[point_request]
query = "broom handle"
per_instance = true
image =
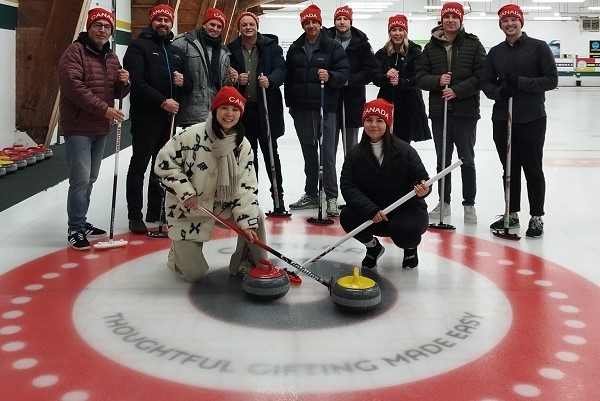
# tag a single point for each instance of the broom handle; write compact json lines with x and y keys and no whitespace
{"x":386,"y":211}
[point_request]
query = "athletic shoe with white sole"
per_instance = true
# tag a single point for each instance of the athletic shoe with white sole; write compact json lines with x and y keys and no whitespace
{"x":93,"y":232}
{"x":332,"y":208}
{"x":513,"y":222}
{"x":435,"y":213}
{"x":78,"y":240}
{"x":410,"y":260}
{"x":305,"y":202}
{"x":536,"y":227}
{"x":470,"y":214}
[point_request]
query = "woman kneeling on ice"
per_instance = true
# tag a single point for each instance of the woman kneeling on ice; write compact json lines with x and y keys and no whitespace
{"x":211,"y":164}
{"x":376,"y":173}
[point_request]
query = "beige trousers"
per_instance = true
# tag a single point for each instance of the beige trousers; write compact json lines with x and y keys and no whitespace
{"x":187,"y":259}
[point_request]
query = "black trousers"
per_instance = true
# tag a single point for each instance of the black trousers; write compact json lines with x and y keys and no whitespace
{"x":405,"y":227}
{"x":460,"y":132}
{"x":527,"y":151}
{"x":149,"y":136}
{"x":252,"y":119}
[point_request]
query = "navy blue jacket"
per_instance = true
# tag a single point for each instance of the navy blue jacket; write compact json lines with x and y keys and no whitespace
{"x":271,"y":64}
{"x":302,"y":87}
{"x":151,"y":62}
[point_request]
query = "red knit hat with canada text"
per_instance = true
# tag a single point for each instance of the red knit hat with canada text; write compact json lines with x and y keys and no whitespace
{"x":511,"y":10}
{"x":162,"y":10}
{"x":214,"y":13}
{"x":246,"y":14}
{"x":311,"y":13}
{"x":399,"y":21}
{"x":228,"y":96}
{"x":99,"y":13}
{"x":344,"y":11}
{"x":380,"y":108}
{"x":453,"y":8}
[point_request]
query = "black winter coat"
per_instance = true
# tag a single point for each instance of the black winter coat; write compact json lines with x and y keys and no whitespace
{"x":151,"y":73}
{"x":362,"y":62}
{"x":410,"y":118}
{"x":272,"y":64}
{"x":468,"y":56}
{"x":368,"y":187}
{"x":302,"y":87}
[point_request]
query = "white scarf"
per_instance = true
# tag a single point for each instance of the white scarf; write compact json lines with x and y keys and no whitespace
{"x":222,"y":149}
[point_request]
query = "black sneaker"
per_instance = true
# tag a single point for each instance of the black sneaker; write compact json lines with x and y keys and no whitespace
{"x":373,"y":254}
{"x":536,"y":227}
{"x":93,"y":232}
{"x":513,"y":222}
{"x":78,"y":241}
{"x":411,"y":259}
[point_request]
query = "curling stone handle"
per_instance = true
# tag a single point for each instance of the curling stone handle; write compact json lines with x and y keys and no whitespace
{"x":386,"y":211}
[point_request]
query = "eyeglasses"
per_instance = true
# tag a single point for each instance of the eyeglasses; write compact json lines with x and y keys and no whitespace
{"x":99,"y":26}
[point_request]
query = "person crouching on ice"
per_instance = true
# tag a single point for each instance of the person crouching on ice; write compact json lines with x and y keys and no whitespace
{"x":376,"y":173}
{"x":211,"y":164}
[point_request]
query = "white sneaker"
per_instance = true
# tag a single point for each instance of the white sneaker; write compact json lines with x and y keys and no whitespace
{"x":470,"y":214}
{"x":435,"y":213}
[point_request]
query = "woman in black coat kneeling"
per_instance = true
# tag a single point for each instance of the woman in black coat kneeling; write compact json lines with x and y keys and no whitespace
{"x":376,"y":173}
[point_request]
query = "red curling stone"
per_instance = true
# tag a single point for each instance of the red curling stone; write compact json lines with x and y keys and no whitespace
{"x":266,"y":282}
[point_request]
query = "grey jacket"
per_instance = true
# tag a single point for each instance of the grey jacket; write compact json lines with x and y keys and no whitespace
{"x":194,"y":108}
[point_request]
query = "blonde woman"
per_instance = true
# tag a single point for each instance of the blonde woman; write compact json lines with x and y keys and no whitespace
{"x":395,"y":76}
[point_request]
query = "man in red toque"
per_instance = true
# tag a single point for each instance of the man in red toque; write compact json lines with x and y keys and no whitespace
{"x":208,"y":67}
{"x":259,"y":61}
{"x":449,"y":69}
{"x":315,"y":58}
{"x":91,"y":77}
{"x":157,"y":80}
{"x":521,"y":68}
{"x":360,"y":56}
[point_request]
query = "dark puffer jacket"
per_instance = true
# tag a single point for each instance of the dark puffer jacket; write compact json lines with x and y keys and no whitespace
{"x":468,"y":56}
{"x":410,"y":118}
{"x":88,"y":87}
{"x":272,"y":64}
{"x":151,"y":61}
{"x":368,"y":187}
{"x":302,"y":87}
{"x":361,"y":59}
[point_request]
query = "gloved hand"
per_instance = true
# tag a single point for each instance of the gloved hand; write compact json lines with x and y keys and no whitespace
{"x":512,"y":80}
{"x":507,"y":91}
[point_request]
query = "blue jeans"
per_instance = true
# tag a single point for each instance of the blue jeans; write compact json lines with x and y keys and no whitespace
{"x":307,"y":124}
{"x":84,"y":155}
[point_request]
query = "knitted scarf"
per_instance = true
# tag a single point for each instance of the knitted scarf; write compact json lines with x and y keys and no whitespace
{"x":214,"y":78}
{"x":222,"y":149}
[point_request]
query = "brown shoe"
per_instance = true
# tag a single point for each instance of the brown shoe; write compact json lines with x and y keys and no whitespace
{"x":138,"y":226}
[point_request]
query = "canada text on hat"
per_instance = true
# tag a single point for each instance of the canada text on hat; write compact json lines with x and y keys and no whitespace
{"x":380,"y":108}
{"x":99,"y":13}
{"x":228,"y":96}
{"x":214,"y":13}
{"x":399,"y":21}
{"x":311,"y":13}
{"x":511,"y":10}
{"x":453,"y":8}
{"x":247,"y":14}
{"x":344,"y":11}
{"x":163,"y":10}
